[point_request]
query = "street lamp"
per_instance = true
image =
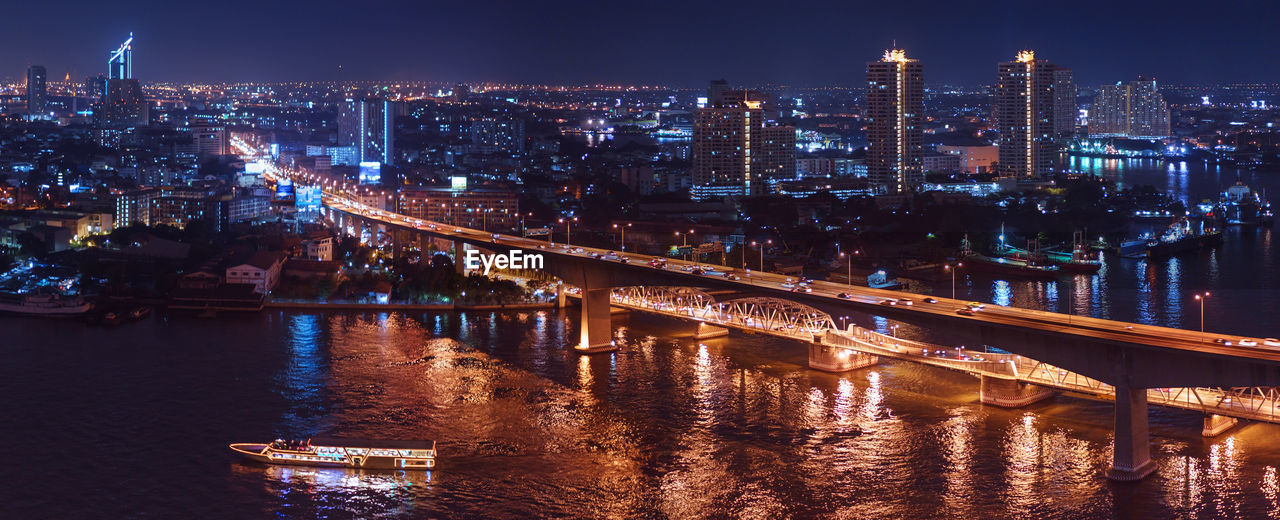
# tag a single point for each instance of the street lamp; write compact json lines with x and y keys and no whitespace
{"x":850,"y":275}
{"x":623,"y":230}
{"x":1201,"y":297}
{"x":568,"y":230}
{"x":953,"y":276}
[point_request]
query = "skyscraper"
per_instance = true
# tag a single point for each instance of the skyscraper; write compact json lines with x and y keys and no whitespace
{"x":895,"y":119}
{"x":1133,"y":109}
{"x":120,"y":62}
{"x":1064,"y":104}
{"x":37,"y":92}
{"x":368,"y":125}
{"x":1025,"y":114}
{"x":123,"y":105}
{"x":736,"y":149}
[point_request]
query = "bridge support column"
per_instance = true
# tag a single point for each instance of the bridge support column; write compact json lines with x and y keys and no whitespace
{"x":708,"y":331}
{"x":1215,"y":425}
{"x":1009,"y":393}
{"x":597,"y":331}
{"x":1131,"y":459}
{"x":837,"y":359}
{"x":459,"y":257}
{"x":560,"y":296}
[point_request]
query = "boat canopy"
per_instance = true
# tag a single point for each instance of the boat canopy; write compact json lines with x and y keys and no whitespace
{"x":391,"y":444}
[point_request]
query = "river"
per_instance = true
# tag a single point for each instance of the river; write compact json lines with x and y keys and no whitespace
{"x":134,"y":421}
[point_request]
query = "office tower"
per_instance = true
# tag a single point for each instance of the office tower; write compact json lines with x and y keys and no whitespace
{"x":37,"y":92}
{"x":736,"y":150}
{"x":1064,"y":104}
{"x":1024,"y":111}
{"x":895,"y":120}
{"x":368,"y":125}
{"x":1133,"y":109}
{"x":120,"y":62}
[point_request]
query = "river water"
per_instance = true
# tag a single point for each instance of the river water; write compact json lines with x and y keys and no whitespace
{"x":133,"y":421}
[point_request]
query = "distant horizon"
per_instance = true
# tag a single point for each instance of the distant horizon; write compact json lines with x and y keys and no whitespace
{"x":576,"y":42}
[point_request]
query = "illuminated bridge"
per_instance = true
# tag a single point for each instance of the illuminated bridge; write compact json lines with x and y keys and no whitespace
{"x":1130,"y":359}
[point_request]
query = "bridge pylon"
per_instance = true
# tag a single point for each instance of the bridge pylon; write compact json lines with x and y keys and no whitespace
{"x":1010,"y":393}
{"x":838,"y":359}
{"x":597,"y":330}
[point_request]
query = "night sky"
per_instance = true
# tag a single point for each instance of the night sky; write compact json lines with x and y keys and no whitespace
{"x":681,"y":43}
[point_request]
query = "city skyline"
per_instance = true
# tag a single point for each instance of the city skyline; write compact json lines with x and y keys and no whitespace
{"x":569,"y":44}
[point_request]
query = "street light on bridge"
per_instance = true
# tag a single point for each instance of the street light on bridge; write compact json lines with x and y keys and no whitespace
{"x":953,"y":276}
{"x":622,"y":241}
{"x":1201,"y":297}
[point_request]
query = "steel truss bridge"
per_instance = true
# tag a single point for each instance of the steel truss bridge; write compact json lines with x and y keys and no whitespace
{"x":791,"y":320}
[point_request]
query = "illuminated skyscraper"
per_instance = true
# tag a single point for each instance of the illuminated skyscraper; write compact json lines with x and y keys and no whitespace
{"x":123,"y":105}
{"x":37,"y":92}
{"x":120,"y":62}
{"x":368,"y":125}
{"x":895,"y":119}
{"x":1025,"y":113}
{"x":736,"y":149}
{"x":1133,"y":109}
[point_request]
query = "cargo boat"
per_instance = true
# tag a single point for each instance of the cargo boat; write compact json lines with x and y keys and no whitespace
{"x":1180,"y":238}
{"x":344,"y":453}
{"x":1008,"y":266}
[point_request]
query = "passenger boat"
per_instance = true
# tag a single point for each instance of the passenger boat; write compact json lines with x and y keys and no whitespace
{"x":52,"y":305}
{"x":344,"y":453}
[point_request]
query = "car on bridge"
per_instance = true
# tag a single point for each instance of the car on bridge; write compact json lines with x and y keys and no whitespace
{"x":844,"y":296}
{"x":966,"y":311}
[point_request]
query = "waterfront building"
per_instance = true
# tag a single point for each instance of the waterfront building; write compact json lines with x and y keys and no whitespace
{"x":895,"y":121}
{"x":37,"y":92}
{"x":736,"y":150}
{"x":1133,"y":109}
{"x":1025,"y":114}
{"x":262,"y":271}
{"x":368,"y":126}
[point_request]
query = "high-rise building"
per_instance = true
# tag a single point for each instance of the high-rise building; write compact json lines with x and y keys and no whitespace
{"x":120,"y":62}
{"x":895,"y":122}
{"x":1133,"y":109}
{"x":1064,"y":104}
{"x":37,"y":91}
{"x":124,"y":105}
{"x":368,"y":125}
{"x":1024,"y":112}
{"x":736,"y":150}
